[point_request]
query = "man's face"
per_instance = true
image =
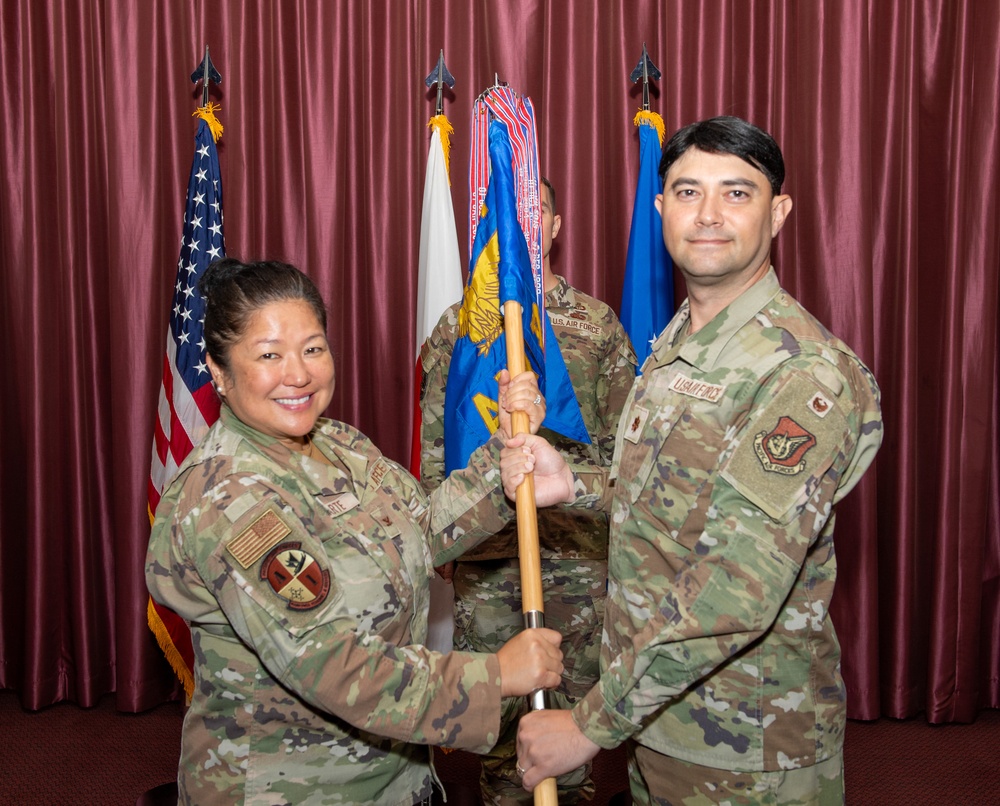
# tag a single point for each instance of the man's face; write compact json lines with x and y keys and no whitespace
{"x":719,"y":217}
{"x":550,"y":223}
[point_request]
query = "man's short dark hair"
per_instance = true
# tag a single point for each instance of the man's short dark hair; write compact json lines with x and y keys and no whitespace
{"x":728,"y":135}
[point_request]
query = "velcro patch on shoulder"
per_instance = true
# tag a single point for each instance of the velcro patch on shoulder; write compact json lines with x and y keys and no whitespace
{"x":258,"y":538}
{"x":241,"y":506}
{"x":788,"y":446}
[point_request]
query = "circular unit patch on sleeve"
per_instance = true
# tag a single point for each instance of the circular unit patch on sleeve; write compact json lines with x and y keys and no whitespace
{"x":296,"y":576}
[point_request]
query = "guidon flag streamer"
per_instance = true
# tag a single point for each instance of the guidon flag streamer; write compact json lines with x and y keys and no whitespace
{"x":505,"y":265}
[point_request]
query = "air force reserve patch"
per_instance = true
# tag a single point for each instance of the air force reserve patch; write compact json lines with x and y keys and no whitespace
{"x":295,"y":575}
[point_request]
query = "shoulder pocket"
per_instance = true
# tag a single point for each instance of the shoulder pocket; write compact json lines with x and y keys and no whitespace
{"x":270,"y":557}
{"x":788,"y":446}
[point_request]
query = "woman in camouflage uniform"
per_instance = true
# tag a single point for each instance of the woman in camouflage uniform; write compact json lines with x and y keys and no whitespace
{"x":300,"y":556}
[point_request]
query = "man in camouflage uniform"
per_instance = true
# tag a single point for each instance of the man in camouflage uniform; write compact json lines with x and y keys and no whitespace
{"x":720,"y":666}
{"x":573,"y":543}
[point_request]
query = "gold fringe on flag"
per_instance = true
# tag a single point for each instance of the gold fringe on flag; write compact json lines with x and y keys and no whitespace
{"x":644,"y":118}
{"x":165,"y":641}
{"x":444,"y":127}
{"x":177,"y":663}
{"x":207,"y":114}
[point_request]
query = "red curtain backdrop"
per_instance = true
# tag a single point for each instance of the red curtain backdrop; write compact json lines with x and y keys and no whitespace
{"x":888,"y":117}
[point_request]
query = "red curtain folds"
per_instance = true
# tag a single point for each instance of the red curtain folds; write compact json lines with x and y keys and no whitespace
{"x":888,"y":117}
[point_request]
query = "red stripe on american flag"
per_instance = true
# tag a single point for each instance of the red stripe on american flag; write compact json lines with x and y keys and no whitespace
{"x":207,"y":402}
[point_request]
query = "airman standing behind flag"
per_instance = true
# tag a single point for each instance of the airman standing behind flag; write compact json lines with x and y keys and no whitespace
{"x":601,"y":366}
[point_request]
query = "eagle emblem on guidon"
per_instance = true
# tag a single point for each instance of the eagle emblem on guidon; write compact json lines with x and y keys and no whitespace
{"x":295,"y":575}
{"x":783,"y":448}
{"x":479,"y":317}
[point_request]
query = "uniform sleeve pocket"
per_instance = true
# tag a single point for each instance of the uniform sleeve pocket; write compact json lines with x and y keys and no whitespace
{"x":788,"y":447}
{"x":271,"y":558}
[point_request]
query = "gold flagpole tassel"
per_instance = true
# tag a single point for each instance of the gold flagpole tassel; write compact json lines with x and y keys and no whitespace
{"x":207,"y":114}
{"x":646,"y":118}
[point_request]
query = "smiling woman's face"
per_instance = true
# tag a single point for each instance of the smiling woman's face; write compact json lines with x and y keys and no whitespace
{"x":281,"y":373}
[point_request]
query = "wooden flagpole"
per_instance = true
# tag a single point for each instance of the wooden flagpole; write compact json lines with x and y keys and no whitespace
{"x":532,"y":602}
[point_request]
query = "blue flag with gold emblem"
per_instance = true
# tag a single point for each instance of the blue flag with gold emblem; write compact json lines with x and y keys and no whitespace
{"x":501,"y":271}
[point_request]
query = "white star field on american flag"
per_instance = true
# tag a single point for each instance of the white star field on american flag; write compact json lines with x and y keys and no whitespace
{"x":188,"y":404}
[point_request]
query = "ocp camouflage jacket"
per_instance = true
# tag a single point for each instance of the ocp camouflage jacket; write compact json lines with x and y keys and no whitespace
{"x":306,"y":586}
{"x":734,"y":447}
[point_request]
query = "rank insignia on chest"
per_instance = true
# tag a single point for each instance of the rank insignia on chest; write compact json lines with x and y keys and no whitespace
{"x":783,"y":448}
{"x":638,"y":416}
{"x":295,"y":576}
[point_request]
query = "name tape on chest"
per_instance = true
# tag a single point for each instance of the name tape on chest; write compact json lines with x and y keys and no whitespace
{"x":339,"y":503}
{"x":682,"y":384}
{"x":378,"y":473}
{"x":258,"y":538}
{"x":572,"y":323}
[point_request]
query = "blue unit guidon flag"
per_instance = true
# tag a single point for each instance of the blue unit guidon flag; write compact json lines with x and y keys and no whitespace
{"x":501,"y":270}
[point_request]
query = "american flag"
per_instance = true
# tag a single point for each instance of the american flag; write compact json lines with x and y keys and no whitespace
{"x":188,"y":404}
